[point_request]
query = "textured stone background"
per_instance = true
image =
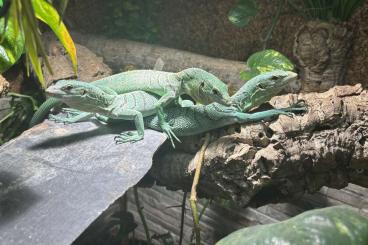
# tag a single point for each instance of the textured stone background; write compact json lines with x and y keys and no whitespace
{"x":201,"y":26}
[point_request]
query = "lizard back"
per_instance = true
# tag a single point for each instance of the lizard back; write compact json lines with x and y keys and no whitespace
{"x":157,"y":82}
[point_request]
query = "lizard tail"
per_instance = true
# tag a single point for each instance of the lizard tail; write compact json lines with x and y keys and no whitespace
{"x":43,"y":110}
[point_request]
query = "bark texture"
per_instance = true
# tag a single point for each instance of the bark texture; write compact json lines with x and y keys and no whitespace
{"x":4,"y":86}
{"x":277,"y":161}
{"x":322,"y":50}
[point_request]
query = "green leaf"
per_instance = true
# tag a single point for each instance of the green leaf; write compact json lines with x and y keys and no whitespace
{"x":48,"y":14}
{"x":247,"y":75}
{"x":1,"y":3}
{"x":17,"y":117}
{"x":32,"y":54}
{"x":264,"y":61}
{"x":32,"y":37}
{"x":242,"y":12}
{"x":63,"y":5}
{"x":337,"y":225}
{"x":11,"y":44}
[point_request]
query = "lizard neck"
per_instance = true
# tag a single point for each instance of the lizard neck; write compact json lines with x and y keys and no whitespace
{"x":188,"y":86}
{"x":186,"y":80}
{"x":105,"y":102}
{"x":192,"y":89}
{"x":96,"y":103}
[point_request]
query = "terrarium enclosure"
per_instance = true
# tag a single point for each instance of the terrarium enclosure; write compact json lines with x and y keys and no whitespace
{"x":183,"y":122}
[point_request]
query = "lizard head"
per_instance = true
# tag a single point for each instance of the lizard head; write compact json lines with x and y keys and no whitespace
{"x":73,"y":92}
{"x":262,"y":88}
{"x":204,"y":87}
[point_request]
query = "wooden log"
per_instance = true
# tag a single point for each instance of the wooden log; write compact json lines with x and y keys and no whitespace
{"x":277,"y":161}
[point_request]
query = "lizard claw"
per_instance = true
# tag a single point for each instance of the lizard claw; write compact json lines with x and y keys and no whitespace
{"x":296,"y":108}
{"x":58,"y":119}
{"x":129,"y":136}
{"x":229,"y":109}
{"x":70,"y":112}
{"x":300,"y":102}
{"x":289,"y":114}
{"x":166,"y":128}
{"x":300,"y":105}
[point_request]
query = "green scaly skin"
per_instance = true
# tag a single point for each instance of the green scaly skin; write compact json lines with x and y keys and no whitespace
{"x":202,"y":86}
{"x":89,"y":99}
{"x":183,"y":120}
{"x":202,"y":118}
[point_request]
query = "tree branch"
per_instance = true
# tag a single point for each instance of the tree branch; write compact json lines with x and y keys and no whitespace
{"x":276,"y":161}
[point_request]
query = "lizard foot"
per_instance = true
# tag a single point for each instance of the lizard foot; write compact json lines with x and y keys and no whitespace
{"x":290,"y":111}
{"x":166,"y":128}
{"x":298,"y":107}
{"x":129,"y":136}
{"x":69,"y":116}
{"x":70,"y":112}
{"x":229,"y":109}
{"x":59,"y":119}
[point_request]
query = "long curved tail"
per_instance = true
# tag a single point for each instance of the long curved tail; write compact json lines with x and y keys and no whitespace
{"x":43,"y":110}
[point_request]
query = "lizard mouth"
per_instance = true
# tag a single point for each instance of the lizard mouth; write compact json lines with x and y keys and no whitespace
{"x":292,"y":76}
{"x":51,"y":91}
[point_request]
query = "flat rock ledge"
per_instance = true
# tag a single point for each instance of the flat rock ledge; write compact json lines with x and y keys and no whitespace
{"x":56,"y":179}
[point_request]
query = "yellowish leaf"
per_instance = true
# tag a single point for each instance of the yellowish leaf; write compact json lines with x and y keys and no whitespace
{"x":48,"y":14}
{"x":32,"y":53}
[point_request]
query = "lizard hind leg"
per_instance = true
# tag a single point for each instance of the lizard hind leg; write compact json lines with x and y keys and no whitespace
{"x":165,"y":126}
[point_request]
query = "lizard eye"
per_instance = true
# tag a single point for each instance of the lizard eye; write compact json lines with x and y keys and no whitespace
{"x":274,"y":78}
{"x":202,"y":84}
{"x":83,"y":92}
{"x":68,"y":87}
{"x":215,"y":92}
{"x":261,"y":86}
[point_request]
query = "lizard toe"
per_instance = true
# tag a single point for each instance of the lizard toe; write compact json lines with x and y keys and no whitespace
{"x":166,"y":128}
{"x":130,"y":136}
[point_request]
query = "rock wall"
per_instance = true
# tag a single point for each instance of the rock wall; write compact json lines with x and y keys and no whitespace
{"x":201,"y":26}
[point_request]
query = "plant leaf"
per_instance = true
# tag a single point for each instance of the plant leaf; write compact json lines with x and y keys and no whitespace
{"x":32,"y":53}
{"x":63,"y":5}
{"x":264,"y":61}
{"x":48,"y":14}
{"x":242,"y":12}
{"x":322,"y":225}
{"x":247,"y":75}
{"x":11,"y":44}
{"x":32,"y":37}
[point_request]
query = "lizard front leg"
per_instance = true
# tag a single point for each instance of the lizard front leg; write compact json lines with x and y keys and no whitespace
{"x":184,"y":103}
{"x":165,"y":126}
{"x":129,"y":136}
{"x":258,"y":116}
